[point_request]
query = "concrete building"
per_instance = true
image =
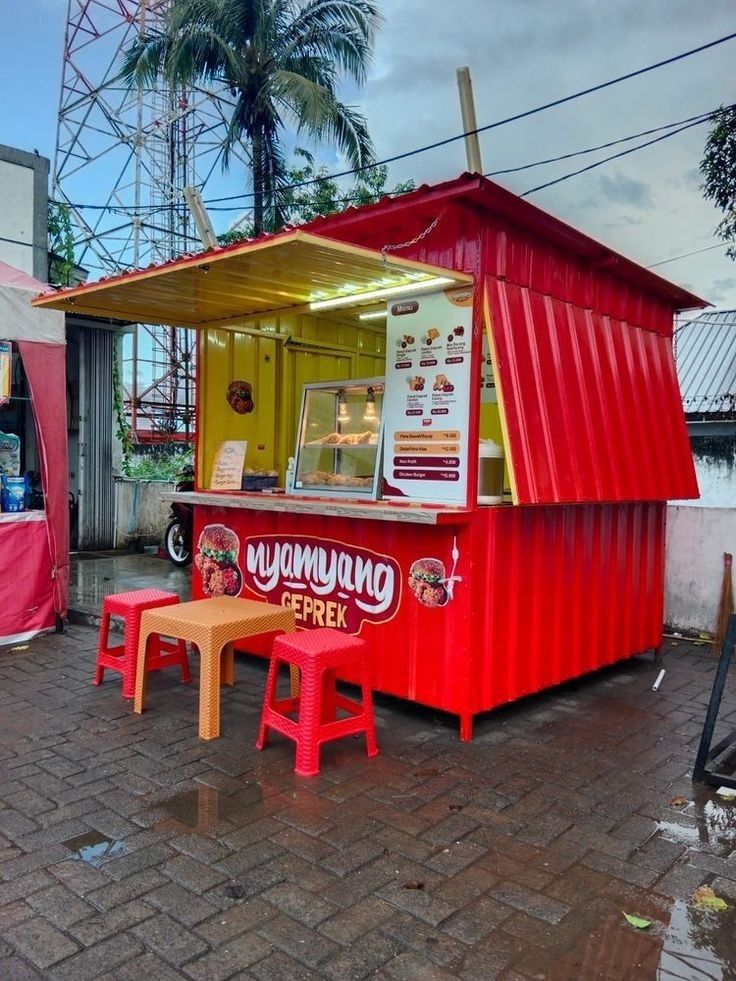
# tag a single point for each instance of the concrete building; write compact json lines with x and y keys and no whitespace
{"x":24,"y":193}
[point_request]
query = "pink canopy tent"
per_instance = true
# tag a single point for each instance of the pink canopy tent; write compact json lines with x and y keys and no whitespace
{"x":34,"y":545}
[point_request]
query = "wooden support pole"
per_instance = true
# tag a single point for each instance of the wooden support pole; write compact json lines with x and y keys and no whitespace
{"x":467,"y":109}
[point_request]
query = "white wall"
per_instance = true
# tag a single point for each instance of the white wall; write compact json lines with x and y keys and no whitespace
{"x":16,"y":216}
{"x":716,"y":481}
{"x":140,"y":514}
{"x":24,"y":195}
{"x":697,"y":537}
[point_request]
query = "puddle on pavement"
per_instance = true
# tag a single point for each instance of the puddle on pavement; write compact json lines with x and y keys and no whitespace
{"x":205,"y":807}
{"x":94,"y":848}
{"x":698,"y":944}
{"x":712,"y":827}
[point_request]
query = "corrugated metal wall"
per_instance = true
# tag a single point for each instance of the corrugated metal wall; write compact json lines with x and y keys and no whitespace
{"x":96,"y":489}
{"x":591,"y":404}
{"x":561,"y":591}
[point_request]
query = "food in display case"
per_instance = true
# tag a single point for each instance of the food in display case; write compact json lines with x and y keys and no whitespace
{"x":339,"y":443}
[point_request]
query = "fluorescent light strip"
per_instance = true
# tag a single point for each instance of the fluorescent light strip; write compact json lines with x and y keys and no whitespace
{"x":387,"y":293}
{"x":375,"y":315}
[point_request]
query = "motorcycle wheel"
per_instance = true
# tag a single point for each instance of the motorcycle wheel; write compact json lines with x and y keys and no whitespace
{"x":177,"y":544}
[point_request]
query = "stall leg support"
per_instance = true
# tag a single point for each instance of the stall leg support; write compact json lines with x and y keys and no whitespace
{"x":708,"y":755}
{"x":466,"y":727}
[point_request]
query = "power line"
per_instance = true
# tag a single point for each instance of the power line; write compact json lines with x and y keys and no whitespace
{"x":686,"y":255}
{"x":701,"y":117}
{"x":346,"y":199}
{"x":498,"y":122}
{"x":480,"y":129}
{"x":614,"y":156}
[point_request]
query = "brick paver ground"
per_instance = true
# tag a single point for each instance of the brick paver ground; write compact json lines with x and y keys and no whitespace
{"x":512,"y":857}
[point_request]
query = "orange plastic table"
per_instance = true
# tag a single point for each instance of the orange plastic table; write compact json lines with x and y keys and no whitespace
{"x":213,"y":625}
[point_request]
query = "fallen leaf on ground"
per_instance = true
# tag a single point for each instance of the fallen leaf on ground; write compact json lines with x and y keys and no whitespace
{"x":678,"y":801}
{"x":727,"y":793}
{"x":705,"y":898}
{"x":413,"y":885}
{"x":637,"y":921}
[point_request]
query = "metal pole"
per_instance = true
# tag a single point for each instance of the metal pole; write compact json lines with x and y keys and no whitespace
{"x":470,"y":125}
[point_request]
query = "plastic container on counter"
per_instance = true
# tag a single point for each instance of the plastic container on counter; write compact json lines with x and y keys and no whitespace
{"x":490,"y":472}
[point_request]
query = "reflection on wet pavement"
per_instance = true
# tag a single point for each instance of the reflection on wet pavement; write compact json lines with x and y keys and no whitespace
{"x":94,"y":848}
{"x":706,"y":825}
{"x":96,"y":574}
{"x":698,"y":944}
{"x":204,"y":808}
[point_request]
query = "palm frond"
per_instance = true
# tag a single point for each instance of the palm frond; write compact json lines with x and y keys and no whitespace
{"x":334,"y":29}
{"x":349,"y":131}
{"x":309,"y":100}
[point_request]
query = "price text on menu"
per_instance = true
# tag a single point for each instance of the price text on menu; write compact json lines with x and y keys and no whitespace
{"x":426,"y":402}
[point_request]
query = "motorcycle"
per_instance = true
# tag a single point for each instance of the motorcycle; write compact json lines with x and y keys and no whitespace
{"x":178,"y":537}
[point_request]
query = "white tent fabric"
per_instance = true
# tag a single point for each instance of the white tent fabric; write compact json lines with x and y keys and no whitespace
{"x":34,"y":547}
{"x":21,"y":321}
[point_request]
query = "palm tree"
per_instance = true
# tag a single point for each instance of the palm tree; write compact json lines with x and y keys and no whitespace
{"x":281,"y":61}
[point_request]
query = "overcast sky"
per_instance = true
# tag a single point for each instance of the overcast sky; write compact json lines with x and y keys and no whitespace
{"x":521,"y":53}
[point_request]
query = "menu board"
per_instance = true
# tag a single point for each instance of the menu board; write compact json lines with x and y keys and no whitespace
{"x":426,"y":404}
{"x":227,"y":467}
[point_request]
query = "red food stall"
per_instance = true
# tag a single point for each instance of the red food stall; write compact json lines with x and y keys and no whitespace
{"x":364,"y":360}
{"x":34,"y":541}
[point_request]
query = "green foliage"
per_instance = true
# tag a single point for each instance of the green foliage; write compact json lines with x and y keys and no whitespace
{"x":122,"y":429}
{"x":319,"y":195}
{"x":61,"y":244}
{"x":718,"y":168}
{"x":162,"y":466}
{"x":281,"y":62}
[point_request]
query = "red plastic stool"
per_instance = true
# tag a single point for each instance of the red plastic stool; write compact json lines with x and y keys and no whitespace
{"x":123,"y":657}
{"x":317,"y":653}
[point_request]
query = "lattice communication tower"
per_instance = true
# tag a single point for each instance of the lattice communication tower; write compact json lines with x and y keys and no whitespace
{"x":123,"y":157}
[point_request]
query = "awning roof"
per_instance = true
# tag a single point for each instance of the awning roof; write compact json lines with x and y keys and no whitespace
{"x":268,"y":276}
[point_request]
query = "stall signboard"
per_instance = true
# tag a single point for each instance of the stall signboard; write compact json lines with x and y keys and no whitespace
{"x":227,"y":468}
{"x":426,"y":404}
{"x":6,"y":363}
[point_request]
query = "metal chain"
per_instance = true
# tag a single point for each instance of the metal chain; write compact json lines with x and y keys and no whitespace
{"x":417,"y":238}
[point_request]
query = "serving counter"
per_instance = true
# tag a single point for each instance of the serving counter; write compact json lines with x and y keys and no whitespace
{"x":405,"y":512}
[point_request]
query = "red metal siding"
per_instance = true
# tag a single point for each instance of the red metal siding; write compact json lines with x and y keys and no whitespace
{"x":546,"y":594}
{"x":560,"y":591}
{"x":592,"y":405}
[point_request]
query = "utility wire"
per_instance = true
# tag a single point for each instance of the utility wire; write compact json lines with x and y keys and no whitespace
{"x":500,"y":122}
{"x":701,"y":117}
{"x":686,"y":255}
{"x":614,"y":156}
{"x":682,"y":124}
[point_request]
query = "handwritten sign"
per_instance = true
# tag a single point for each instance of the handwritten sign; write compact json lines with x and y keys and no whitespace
{"x":227,"y":468}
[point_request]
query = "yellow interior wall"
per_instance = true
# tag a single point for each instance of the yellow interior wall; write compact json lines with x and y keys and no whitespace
{"x":277,"y":372}
{"x":490,"y":422}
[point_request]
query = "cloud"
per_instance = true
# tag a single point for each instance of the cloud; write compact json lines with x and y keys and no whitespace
{"x":722,"y":291}
{"x":621,"y":189}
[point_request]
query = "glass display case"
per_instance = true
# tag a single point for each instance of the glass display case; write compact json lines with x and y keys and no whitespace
{"x":338,"y":451}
